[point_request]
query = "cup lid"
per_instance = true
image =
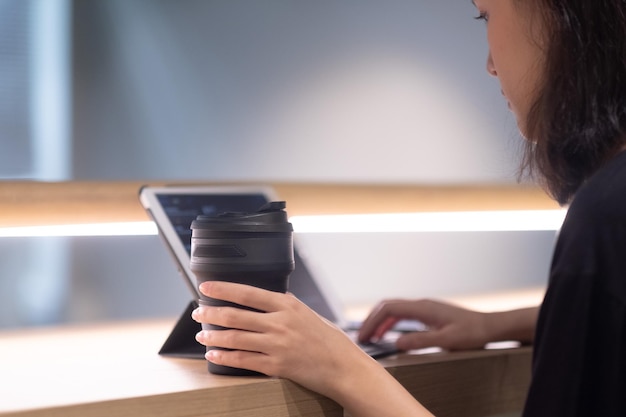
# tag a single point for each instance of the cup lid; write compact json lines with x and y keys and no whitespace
{"x":271,"y":217}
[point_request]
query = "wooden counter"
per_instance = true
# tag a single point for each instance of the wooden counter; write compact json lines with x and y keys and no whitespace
{"x":24,"y":203}
{"x":114,"y":370}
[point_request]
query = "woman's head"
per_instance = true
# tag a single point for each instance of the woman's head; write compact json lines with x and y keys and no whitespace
{"x":574,"y":113}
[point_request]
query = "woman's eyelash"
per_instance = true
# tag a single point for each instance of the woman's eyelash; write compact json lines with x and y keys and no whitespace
{"x":482,"y":16}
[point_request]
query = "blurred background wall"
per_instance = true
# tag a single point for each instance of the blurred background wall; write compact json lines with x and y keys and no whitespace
{"x":357,"y":91}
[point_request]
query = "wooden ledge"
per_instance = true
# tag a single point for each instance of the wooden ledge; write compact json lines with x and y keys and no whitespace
{"x":26,"y":203}
{"x":112,"y":369}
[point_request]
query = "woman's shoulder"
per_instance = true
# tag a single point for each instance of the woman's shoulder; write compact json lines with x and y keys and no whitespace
{"x":603,"y":196}
{"x":593,"y":234}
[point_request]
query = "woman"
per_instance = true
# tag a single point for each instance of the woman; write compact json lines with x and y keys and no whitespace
{"x":562,"y":68}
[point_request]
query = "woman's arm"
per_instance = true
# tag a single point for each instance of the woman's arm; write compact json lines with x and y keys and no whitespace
{"x":449,"y":326}
{"x":512,"y":325}
{"x":289,"y":340}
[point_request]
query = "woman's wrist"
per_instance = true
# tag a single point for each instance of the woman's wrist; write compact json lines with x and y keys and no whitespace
{"x":516,"y":325}
{"x":370,"y":391}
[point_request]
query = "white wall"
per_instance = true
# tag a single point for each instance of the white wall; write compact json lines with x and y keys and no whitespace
{"x":364,"y":268}
{"x":348,"y":91}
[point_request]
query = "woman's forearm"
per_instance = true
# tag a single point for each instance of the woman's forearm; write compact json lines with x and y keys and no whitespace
{"x":512,"y":325}
{"x":370,"y":391}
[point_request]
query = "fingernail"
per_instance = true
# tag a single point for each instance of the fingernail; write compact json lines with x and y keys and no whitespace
{"x":212,"y":355}
{"x":205,"y":286}
{"x":201,"y":336}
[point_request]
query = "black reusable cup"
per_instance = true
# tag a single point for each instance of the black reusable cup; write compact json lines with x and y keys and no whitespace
{"x":248,"y":248}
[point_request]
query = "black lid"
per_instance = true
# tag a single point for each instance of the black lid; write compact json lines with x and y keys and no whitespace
{"x":272,"y":217}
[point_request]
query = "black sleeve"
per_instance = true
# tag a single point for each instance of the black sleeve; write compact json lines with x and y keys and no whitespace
{"x":579,"y":363}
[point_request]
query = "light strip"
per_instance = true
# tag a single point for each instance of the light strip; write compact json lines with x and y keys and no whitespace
{"x":92,"y":229}
{"x":476,"y":221}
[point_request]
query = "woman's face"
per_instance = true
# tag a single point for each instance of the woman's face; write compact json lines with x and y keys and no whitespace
{"x":515,"y":53}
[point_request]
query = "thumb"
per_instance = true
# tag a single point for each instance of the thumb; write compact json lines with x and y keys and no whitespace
{"x":420,"y":340}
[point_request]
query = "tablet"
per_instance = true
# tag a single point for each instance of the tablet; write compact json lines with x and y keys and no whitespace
{"x":173,"y":208}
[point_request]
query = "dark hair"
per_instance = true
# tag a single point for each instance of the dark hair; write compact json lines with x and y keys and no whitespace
{"x":578,"y":120}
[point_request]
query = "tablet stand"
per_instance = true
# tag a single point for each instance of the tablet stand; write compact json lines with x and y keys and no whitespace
{"x":182,"y":340}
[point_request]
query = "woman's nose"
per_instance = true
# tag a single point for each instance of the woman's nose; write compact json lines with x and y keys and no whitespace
{"x":491,"y":69}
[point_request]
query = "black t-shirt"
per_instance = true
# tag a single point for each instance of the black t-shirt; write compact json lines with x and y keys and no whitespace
{"x":579,"y":363}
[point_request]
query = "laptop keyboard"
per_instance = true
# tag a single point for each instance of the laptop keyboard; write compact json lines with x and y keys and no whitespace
{"x":380,"y":349}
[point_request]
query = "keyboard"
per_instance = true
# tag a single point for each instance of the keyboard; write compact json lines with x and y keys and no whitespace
{"x":380,"y":349}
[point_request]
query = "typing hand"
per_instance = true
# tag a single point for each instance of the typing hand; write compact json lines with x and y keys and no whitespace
{"x":449,"y":327}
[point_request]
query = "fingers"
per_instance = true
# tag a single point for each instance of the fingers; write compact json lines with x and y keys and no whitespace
{"x":241,"y":294}
{"x":375,"y":334}
{"x":232,"y":339}
{"x":275,"y":314}
{"x":389,"y":312}
{"x":253,"y":361}
{"x":421,"y":340}
{"x":244,"y":332}
{"x":378,"y":322}
{"x":230,"y":317}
